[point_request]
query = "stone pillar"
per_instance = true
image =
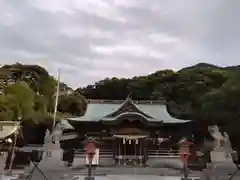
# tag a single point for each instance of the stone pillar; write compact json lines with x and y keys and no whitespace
{"x":208,"y":173}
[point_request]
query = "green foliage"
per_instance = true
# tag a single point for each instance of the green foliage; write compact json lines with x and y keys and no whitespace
{"x":73,"y":104}
{"x":183,"y":90}
{"x":28,"y":92}
{"x":48,"y":89}
{"x":20,"y":98}
{"x":221,"y":107}
{"x":6,"y":113}
{"x":222,"y":104}
{"x":41,"y":104}
{"x":191,"y":93}
{"x":186,"y":92}
{"x":35,"y":76}
{"x":203,"y":92}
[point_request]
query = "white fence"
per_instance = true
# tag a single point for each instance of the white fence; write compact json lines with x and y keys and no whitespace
{"x":108,"y":153}
{"x":163,"y":153}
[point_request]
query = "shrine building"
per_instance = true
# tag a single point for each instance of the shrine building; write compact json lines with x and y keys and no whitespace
{"x":126,"y":131}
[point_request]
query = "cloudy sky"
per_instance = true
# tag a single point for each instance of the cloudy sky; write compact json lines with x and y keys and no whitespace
{"x":93,"y":39}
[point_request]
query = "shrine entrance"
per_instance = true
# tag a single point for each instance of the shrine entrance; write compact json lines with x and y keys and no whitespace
{"x":130,"y":150}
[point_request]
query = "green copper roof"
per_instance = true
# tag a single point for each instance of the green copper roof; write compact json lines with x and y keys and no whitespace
{"x":127,"y":113}
{"x":98,"y":110}
{"x":159,"y":112}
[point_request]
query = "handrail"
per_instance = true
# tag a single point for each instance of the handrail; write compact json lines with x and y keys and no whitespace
{"x":149,"y":152}
{"x":163,"y":150}
{"x":163,"y":156}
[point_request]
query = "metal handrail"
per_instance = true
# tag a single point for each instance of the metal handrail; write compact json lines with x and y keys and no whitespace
{"x":151,"y":150}
{"x":151,"y":153}
{"x":160,"y":150}
{"x":163,"y":156}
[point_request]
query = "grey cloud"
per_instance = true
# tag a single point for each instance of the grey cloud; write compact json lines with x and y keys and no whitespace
{"x":137,"y":38}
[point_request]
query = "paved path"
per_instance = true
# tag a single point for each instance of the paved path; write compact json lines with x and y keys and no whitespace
{"x":128,"y":177}
{"x":117,"y":174}
{"x":106,"y":173}
{"x":54,"y":169}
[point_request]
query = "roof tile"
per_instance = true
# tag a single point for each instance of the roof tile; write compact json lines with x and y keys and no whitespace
{"x":98,"y":110}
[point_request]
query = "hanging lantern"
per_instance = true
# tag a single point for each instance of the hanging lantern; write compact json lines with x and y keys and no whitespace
{"x":129,"y":141}
{"x":136,"y":142}
{"x":124,"y":141}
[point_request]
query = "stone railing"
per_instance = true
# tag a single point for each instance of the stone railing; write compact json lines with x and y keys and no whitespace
{"x":163,"y":153}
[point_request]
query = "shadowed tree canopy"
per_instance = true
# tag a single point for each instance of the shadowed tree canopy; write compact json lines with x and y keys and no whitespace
{"x":16,"y":102}
{"x":183,"y":90}
{"x":73,"y":104}
{"x":221,"y":107}
{"x":28,"y":92}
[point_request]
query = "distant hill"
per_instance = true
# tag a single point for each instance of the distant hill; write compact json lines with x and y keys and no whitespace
{"x":183,"y":89}
{"x":234,"y":69}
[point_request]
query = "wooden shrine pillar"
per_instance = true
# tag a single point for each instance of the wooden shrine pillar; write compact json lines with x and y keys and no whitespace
{"x":115,"y":150}
{"x":145,"y":150}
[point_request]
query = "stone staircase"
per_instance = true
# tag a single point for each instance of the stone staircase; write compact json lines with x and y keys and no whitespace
{"x":103,"y":171}
{"x":163,"y":158}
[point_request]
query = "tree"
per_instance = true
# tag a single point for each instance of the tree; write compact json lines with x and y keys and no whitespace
{"x":222,"y":104}
{"x":21,"y":99}
{"x":6,"y":113}
{"x":40,"y":104}
{"x":35,"y":76}
{"x":183,"y":90}
{"x":20,"y":102}
{"x":73,"y":104}
{"x":190,"y":86}
{"x":48,"y":90}
{"x":221,"y":107}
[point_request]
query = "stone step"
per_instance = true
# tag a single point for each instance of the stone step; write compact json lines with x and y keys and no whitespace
{"x":130,"y":171}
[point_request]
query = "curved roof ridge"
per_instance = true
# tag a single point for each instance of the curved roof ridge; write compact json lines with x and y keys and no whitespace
{"x":127,"y":113}
{"x":163,"y":102}
{"x":106,"y":101}
{"x":152,"y":110}
{"x":128,"y":99}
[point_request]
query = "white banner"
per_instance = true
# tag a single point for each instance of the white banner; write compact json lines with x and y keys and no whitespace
{"x":95,"y":160}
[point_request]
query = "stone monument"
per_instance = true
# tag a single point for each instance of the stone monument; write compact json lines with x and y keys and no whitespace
{"x":222,"y":148}
{"x":220,"y":154}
